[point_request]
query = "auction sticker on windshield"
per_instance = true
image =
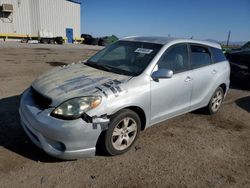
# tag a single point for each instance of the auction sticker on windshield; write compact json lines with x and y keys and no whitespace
{"x":143,"y":50}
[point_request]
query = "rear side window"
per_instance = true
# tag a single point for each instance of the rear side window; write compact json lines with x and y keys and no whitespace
{"x":200,"y":56}
{"x":218,"y":55}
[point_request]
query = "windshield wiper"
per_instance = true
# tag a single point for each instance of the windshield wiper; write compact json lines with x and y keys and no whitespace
{"x":98,"y":66}
{"x":109,"y":68}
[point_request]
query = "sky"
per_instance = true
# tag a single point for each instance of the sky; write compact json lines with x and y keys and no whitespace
{"x":200,"y":19}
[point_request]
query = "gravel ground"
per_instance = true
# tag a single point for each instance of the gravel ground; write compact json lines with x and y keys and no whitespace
{"x":192,"y":150}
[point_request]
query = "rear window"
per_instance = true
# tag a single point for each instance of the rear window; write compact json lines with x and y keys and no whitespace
{"x":200,"y":56}
{"x":218,"y":55}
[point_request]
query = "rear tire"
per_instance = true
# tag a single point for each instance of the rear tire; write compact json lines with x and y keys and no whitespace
{"x":122,"y":133}
{"x":216,"y":101}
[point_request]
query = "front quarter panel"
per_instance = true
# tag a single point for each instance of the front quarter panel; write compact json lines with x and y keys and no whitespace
{"x":135,"y":92}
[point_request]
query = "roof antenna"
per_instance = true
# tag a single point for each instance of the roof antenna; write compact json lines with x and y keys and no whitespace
{"x":191,"y":37}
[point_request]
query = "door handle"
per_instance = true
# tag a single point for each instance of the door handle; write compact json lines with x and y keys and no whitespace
{"x":214,"y":71}
{"x":188,"y":79}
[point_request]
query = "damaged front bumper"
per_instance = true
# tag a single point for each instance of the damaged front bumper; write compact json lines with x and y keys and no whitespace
{"x":65,"y":139}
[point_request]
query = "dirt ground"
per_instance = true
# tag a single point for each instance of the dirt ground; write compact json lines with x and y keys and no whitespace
{"x":193,"y":150}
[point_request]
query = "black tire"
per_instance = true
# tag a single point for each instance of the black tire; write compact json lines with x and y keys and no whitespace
{"x":128,"y":138}
{"x":87,"y":38}
{"x":42,"y":41}
{"x":100,"y":42}
{"x":59,"y":40}
{"x":211,"y":106}
{"x":94,"y":41}
{"x":51,"y":41}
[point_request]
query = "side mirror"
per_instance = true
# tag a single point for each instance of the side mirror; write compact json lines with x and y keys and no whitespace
{"x":162,"y":73}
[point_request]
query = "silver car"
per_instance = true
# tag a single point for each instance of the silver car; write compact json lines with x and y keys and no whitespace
{"x":123,"y":89}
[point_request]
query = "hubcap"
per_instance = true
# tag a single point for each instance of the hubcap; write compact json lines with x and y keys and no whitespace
{"x":124,"y":133}
{"x":217,"y":100}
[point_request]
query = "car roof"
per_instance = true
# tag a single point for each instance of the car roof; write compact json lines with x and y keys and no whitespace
{"x":166,"y":40}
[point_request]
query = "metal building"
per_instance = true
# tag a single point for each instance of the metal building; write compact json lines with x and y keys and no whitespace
{"x":40,"y":18}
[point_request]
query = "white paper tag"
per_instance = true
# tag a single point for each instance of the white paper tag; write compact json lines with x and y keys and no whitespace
{"x":143,"y":51}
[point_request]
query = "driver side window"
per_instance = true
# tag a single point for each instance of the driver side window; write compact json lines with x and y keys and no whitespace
{"x":175,"y":59}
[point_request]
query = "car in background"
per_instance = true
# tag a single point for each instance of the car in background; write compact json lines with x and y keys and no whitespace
{"x":102,"y":41}
{"x":246,"y":46}
{"x":107,"y":40}
{"x":89,"y":39}
{"x":240,"y":62}
{"x":125,"y":88}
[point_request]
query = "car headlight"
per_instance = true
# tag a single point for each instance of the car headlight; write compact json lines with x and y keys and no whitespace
{"x":75,"y":108}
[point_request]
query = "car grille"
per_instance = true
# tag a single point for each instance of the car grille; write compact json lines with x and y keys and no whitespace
{"x":41,"y":101}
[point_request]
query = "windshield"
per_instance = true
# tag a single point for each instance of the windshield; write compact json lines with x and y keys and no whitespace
{"x":125,"y":57}
{"x":246,"y":46}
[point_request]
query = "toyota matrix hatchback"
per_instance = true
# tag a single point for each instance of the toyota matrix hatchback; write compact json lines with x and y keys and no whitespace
{"x":120,"y":91}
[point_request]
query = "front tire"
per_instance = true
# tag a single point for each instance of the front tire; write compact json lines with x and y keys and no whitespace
{"x":122,"y":133}
{"x":216,"y":101}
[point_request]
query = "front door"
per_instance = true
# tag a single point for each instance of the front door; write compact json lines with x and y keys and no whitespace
{"x":69,"y":35}
{"x":171,"y":96}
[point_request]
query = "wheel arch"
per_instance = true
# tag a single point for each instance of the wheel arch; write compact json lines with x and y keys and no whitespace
{"x":139,"y":111}
{"x":224,"y":87}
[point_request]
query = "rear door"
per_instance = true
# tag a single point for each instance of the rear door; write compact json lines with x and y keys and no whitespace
{"x":171,"y":96}
{"x":204,"y":75}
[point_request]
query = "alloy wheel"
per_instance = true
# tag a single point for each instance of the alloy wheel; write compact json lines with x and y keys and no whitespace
{"x":124,"y":133}
{"x":217,"y":100}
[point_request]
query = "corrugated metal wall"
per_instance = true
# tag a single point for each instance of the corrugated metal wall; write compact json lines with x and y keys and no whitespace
{"x":18,"y":21}
{"x":31,"y":16}
{"x":59,"y":15}
{"x":34,"y":17}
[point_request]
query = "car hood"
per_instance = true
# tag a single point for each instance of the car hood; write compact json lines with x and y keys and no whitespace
{"x":63,"y":83}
